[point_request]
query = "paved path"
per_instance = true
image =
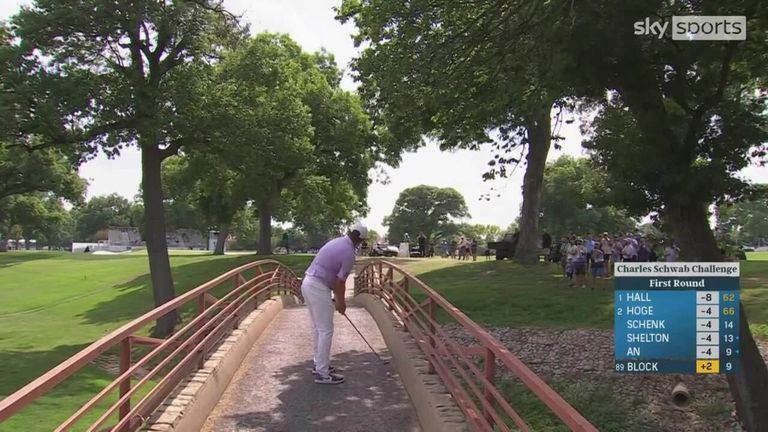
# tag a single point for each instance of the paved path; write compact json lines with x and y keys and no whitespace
{"x":274,"y":389}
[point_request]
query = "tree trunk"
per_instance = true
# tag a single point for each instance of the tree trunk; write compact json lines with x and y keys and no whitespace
{"x":690,"y":227}
{"x":265,"y":228}
{"x":540,"y":139}
{"x":749,"y":386}
{"x":157,"y":244}
{"x":221,"y":241}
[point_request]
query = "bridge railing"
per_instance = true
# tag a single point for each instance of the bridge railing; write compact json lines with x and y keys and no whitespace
{"x":469,"y":373}
{"x":125,"y":405}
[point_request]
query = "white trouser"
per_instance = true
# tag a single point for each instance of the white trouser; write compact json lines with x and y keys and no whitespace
{"x":317,"y":296}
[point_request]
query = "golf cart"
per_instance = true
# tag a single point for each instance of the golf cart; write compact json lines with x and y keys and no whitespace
{"x":379,"y":249}
{"x":505,"y":248}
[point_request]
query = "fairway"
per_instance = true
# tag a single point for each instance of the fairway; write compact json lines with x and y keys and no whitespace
{"x":53,"y":305}
{"x":501,"y":293}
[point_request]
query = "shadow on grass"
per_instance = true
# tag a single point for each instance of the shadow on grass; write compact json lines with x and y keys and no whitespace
{"x":371,"y":399}
{"x":135,"y":296}
{"x":12,"y":258}
{"x":52,"y":408}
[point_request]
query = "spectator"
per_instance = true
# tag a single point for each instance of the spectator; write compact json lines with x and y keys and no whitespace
{"x":578,"y":256}
{"x":643,"y":252}
{"x":565,"y":246}
{"x":589,"y":245}
{"x":473,"y":247}
{"x":446,"y":248}
{"x":598,"y":261}
{"x":671,"y":252}
{"x":616,"y":248}
{"x":607,"y":248}
{"x":546,"y":240}
{"x":652,"y":257}
{"x":422,"y":245}
{"x":628,"y":252}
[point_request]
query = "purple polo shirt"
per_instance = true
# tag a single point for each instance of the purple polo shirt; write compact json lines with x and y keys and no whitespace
{"x":333,"y":261}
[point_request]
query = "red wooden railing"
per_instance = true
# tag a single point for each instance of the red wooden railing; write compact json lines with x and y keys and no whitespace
{"x":167,"y":361}
{"x":474,"y":389}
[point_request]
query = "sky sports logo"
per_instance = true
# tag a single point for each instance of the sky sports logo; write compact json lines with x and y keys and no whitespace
{"x":696,"y":28}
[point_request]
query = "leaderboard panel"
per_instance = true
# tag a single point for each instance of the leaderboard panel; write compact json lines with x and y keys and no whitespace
{"x":676,"y":317}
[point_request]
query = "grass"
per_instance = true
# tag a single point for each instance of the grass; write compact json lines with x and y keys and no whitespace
{"x":53,"y":305}
{"x":620,"y":415}
{"x":502,"y":293}
{"x":496,"y":293}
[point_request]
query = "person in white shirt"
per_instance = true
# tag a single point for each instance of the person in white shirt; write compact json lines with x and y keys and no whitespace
{"x":670,"y":252}
{"x":578,"y":256}
{"x":629,"y":252}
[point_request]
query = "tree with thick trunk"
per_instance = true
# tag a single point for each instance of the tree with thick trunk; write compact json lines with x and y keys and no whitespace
{"x":154,"y":235}
{"x":539,"y":142}
{"x":221,"y":240}
{"x":265,"y":227}
{"x":680,"y":121}
{"x":123,"y":71}
{"x":474,"y":78}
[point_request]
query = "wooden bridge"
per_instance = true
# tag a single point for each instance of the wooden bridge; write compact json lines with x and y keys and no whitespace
{"x":241,"y":359}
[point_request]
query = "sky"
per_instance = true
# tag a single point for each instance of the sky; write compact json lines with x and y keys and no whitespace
{"x":311,"y":23}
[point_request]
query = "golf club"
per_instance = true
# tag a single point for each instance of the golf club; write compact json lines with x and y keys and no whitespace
{"x":366,"y":341}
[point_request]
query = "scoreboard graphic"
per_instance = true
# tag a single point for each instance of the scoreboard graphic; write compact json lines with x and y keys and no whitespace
{"x":676,"y":317}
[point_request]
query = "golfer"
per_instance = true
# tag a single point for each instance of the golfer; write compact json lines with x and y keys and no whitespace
{"x":328,"y":273}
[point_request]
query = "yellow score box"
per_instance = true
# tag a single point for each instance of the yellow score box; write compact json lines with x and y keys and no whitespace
{"x":707,"y":366}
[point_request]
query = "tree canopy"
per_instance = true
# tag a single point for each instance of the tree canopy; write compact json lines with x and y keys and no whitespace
{"x":746,"y":221}
{"x":426,"y":209}
{"x":120,"y":75}
{"x":574,"y":200}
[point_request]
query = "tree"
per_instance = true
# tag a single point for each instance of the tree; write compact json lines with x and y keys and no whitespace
{"x":23,"y":171}
{"x":574,"y":200}
{"x":426,"y":209}
{"x":746,"y":221}
{"x":466,"y":74}
{"x":125,"y":68}
{"x":679,"y":121}
{"x":101,"y":212}
{"x":204,"y":191}
{"x":283,"y":123}
{"x":36,"y":216}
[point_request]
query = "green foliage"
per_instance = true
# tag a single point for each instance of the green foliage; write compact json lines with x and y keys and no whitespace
{"x":280,"y":133}
{"x":426,"y":209}
{"x":574,"y":200}
{"x":479,"y":232}
{"x":746,"y":221}
{"x":48,"y":170}
{"x":53,"y":305}
{"x":36,"y":216}
{"x":101,"y":212}
{"x":449,"y":70}
{"x":680,"y":119}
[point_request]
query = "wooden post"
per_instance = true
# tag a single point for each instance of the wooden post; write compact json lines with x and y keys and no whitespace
{"x":406,"y":315}
{"x":431,"y":366}
{"x":125,"y":385}
{"x":490,"y":373}
{"x":201,"y":306}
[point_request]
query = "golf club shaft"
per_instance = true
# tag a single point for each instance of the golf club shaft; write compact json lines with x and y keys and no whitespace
{"x":361,"y":335}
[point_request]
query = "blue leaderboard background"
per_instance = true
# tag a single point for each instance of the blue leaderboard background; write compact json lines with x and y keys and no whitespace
{"x":676,"y":317}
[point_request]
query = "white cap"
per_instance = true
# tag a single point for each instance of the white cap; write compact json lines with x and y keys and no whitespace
{"x":359,"y":227}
